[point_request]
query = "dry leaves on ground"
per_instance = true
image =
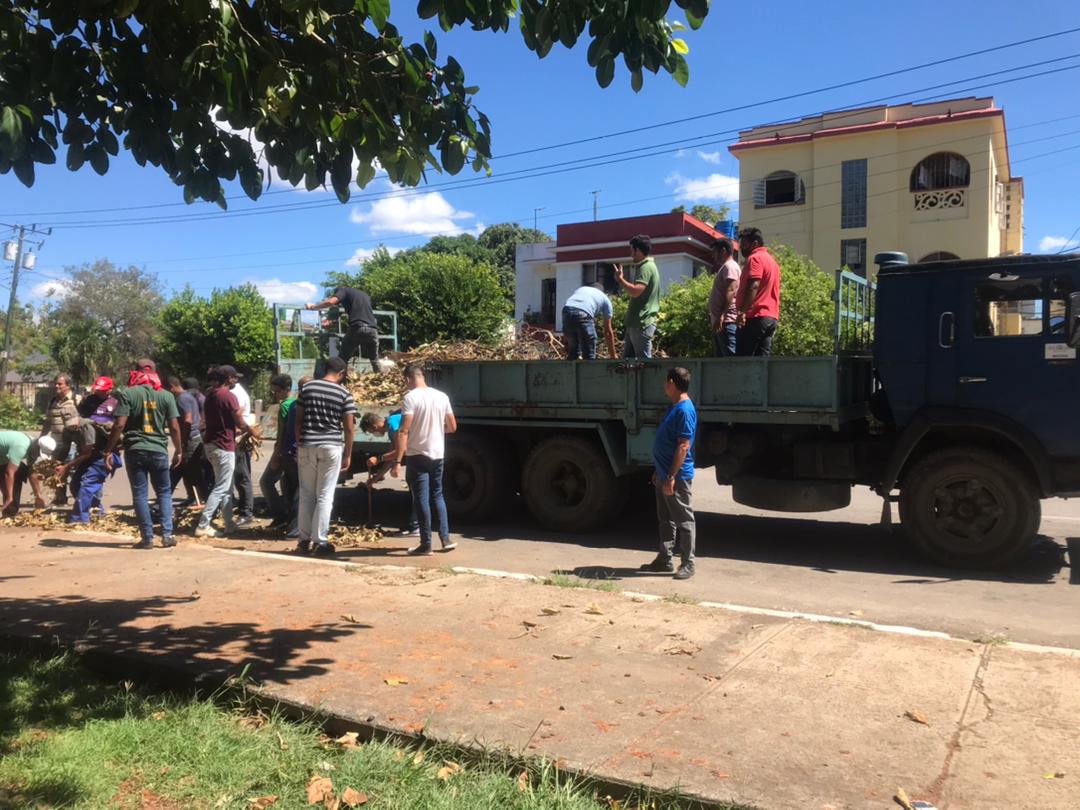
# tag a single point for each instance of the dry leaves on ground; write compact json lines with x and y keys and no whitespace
{"x":354,"y":798}
{"x":261,"y":802}
{"x":350,"y":618}
{"x":319,"y":788}
{"x":550,"y":611}
{"x":448,"y":770}
{"x":594,"y":610}
{"x":396,"y":681}
{"x":348,"y":740}
{"x":523,"y":783}
{"x":916,"y":717}
{"x":561,"y":656}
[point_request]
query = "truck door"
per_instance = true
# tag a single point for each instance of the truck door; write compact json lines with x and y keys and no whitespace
{"x":941,"y":332}
{"x":1010,"y":353}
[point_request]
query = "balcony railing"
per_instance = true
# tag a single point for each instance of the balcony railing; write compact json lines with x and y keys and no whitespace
{"x":940,"y":199}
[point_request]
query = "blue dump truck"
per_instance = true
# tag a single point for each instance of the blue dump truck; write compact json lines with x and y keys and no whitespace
{"x":953,"y":391}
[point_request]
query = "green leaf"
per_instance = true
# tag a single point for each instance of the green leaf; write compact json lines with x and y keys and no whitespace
{"x":12,"y":130}
{"x":695,"y":21}
{"x":341,"y":175}
{"x":41,"y":153}
{"x":636,"y":80}
{"x":426,"y":9}
{"x":365,"y":173}
{"x":605,"y":71}
{"x":99,"y":158}
{"x":76,"y":156}
{"x":452,"y":157}
{"x":24,"y":170}
{"x":379,"y":10}
{"x":680,"y":46}
{"x":431,"y":45}
{"x":681,"y":72}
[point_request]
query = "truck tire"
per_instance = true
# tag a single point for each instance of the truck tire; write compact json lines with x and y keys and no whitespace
{"x":568,"y":485}
{"x":478,"y":478}
{"x":969,"y":507}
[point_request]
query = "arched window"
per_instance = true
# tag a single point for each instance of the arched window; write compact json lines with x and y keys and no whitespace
{"x":779,"y":188}
{"x":941,"y":170}
{"x":939,"y":256}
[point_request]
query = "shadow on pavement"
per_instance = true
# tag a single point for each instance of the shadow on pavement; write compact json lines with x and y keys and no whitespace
{"x":67,"y":542}
{"x":272,"y":653}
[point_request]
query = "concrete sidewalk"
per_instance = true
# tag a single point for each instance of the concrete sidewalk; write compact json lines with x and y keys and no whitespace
{"x":724,"y":705}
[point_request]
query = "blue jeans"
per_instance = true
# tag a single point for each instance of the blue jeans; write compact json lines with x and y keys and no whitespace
{"x":724,"y":340}
{"x":579,"y":329}
{"x":86,"y":486}
{"x":145,"y":468}
{"x":637,"y":343}
{"x":424,"y":477}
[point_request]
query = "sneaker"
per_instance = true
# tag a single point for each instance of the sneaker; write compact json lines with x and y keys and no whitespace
{"x":420,"y":551}
{"x":242,"y":521}
{"x":658,"y":566}
{"x":411,"y":531}
{"x":684,"y":572}
{"x":449,"y":545}
{"x":324,"y":549}
{"x":168,"y":541}
{"x":303,"y":547}
{"x":143,"y":545}
{"x":206,"y":531}
{"x":278,"y":523}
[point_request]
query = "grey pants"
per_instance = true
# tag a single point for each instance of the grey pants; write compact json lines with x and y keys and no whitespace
{"x":637,"y":343}
{"x":675,"y":516}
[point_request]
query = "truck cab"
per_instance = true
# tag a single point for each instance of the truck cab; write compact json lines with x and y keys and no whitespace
{"x":979,"y":382}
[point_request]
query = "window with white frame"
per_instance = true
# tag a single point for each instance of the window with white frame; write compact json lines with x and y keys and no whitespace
{"x":853,"y":255}
{"x":941,"y":170}
{"x":779,"y":188}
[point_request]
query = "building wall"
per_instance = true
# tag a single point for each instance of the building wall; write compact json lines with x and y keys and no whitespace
{"x":892,"y":223}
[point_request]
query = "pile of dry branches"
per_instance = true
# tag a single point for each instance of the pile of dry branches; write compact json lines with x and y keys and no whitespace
{"x":249,"y":442}
{"x":46,"y":468}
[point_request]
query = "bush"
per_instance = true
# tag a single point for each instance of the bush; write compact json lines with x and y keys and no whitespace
{"x":683,"y":327}
{"x":437,"y":297}
{"x":16,"y":416}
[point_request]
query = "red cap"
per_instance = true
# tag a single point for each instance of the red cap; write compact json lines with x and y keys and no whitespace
{"x":102,"y":384}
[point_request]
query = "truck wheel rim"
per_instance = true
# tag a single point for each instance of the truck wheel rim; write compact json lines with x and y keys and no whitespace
{"x":568,"y":484}
{"x":968,"y":510}
{"x":462,"y":479}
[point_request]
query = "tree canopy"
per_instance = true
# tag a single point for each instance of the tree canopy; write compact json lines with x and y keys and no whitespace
{"x":322,"y":90}
{"x":706,"y":213}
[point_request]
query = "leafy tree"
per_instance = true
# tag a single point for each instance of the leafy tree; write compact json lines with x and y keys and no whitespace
{"x":232,"y":326}
{"x":29,"y":339}
{"x":706,"y":213}
{"x":437,"y":296}
{"x":114,"y":311}
{"x":324,"y":89}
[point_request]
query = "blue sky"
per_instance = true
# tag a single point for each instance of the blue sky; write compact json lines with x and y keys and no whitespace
{"x":742,"y":55}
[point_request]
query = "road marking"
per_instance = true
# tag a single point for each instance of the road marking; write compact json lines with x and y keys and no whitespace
{"x":818,"y":618}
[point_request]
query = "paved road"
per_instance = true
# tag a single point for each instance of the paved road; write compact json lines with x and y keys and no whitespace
{"x":835,"y":563}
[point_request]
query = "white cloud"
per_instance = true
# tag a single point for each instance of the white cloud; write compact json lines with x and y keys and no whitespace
{"x":363,"y":254}
{"x":50,"y":289}
{"x":1049,"y":244}
{"x":426,"y":214}
{"x":276,"y":291}
{"x":710,"y":157}
{"x":714,"y":188}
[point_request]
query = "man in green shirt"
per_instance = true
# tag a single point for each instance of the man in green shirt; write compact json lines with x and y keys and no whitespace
{"x":644,"y":292}
{"x":278,"y":503}
{"x":17,"y":456}
{"x":145,"y":419}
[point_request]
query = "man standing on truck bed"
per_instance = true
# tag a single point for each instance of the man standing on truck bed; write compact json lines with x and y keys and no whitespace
{"x":644,"y":292}
{"x":758,"y":297}
{"x":722,"y":310}
{"x":363,"y":333}
{"x":426,"y":418}
{"x":673,"y":475}
{"x":579,"y":316}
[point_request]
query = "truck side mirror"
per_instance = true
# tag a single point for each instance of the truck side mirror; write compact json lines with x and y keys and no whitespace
{"x":1072,"y":315}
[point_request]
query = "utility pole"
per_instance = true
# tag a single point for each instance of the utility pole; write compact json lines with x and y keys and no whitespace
{"x":23,"y":232}
{"x":536,"y":212}
{"x":596,"y":204}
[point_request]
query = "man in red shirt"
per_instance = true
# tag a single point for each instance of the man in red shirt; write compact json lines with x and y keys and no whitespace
{"x":758,"y":297}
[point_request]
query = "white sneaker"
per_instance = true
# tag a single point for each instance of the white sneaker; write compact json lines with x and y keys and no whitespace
{"x":206,"y":531}
{"x":449,"y":545}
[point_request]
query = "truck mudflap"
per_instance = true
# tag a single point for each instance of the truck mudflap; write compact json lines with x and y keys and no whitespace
{"x":782,"y":495}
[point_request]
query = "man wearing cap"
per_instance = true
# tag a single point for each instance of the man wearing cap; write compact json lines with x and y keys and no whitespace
{"x":223,"y":418}
{"x":325,"y":421}
{"x":88,"y":465}
{"x":145,"y":419}
{"x":17,"y":454}
{"x":99,"y":393}
{"x":363,"y":333}
{"x":245,"y":494}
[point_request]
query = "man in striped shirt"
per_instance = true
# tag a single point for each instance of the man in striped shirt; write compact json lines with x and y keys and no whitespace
{"x":325,"y":421}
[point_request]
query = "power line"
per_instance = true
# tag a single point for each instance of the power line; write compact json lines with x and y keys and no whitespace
{"x":530,"y":171}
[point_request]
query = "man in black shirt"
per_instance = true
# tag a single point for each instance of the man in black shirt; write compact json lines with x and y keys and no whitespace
{"x":363,"y":333}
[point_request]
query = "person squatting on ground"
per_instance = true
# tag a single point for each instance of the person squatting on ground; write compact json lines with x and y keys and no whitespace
{"x":723,"y":314}
{"x":87,"y":470}
{"x":146,"y":417}
{"x":379,"y":466}
{"x":325,"y":423}
{"x":223,"y":418}
{"x":363,"y":333}
{"x":644,"y":307}
{"x":18,"y":452}
{"x":61,"y":424}
{"x":279,"y":504}
{"x":673,"y":475}
{"x":758,"y":297}
{"x":579,"y":315}
{"x":426,"y":418}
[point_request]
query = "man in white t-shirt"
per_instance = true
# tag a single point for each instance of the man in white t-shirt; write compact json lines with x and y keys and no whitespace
{"x":722,"y":310}
{"x":245,"y":493}
{"x":426,"y":418}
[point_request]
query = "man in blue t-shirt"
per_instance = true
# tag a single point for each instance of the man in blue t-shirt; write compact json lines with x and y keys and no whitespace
{"x":579,"y":316}
{"x":673,"y":474}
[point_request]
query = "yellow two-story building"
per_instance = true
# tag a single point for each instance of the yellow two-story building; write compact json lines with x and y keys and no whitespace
{"x":931,"y":180}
